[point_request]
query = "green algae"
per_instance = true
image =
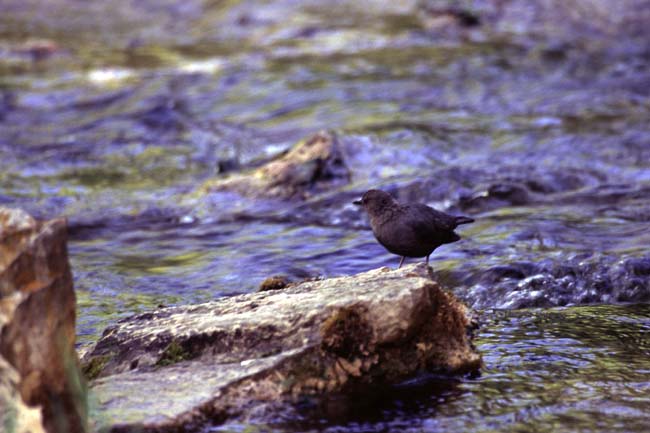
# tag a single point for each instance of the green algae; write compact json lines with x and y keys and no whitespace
{"x":173,"y":353}
{"x":94,"y":366}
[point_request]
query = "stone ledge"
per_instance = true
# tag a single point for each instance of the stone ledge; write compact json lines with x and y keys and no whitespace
{"x":205,"y":363}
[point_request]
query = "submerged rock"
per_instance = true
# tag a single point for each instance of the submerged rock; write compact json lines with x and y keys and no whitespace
{"x":597,"y":279}
{"x":205,"y":363}
{"x":38,"y":362}
{"x":315,"y":163}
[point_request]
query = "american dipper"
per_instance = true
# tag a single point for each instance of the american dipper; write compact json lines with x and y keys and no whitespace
{"x":409,"y":230}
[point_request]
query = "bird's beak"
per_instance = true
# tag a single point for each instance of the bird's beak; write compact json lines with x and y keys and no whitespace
{"x":357,"y":202}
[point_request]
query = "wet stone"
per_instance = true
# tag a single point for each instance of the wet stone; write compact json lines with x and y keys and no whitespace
{"x":639,"y":267}
{"x":312,"y":165}
{"x":231,"y":356}
{"x":581,"y":280}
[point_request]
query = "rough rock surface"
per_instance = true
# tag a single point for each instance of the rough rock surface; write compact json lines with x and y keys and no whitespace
{"x":179,"y":367}
{"x":37,"y":327}
{"x":314,"y":163}
{"x":15,"y":415}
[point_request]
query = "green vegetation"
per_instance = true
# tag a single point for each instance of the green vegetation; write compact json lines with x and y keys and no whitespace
{"x":173,"y":354}
{"x":94,"y":366}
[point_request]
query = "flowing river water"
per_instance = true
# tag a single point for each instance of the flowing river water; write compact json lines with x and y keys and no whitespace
{"x":529,"y":118}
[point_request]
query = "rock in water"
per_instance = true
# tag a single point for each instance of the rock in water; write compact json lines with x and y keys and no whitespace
{"x":315,"y":164}
{"x":409,"y":230}
{"x":205,"y":363}
{"x":37,"y":327}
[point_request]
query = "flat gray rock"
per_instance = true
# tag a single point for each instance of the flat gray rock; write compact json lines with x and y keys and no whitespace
{"x":182,"y":367}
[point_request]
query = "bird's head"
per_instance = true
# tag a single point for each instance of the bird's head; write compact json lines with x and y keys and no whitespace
{"x":374,"y":201}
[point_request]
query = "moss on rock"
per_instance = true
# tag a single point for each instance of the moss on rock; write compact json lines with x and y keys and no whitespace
{"x":94,"y":366}
{"x":175,"y":352}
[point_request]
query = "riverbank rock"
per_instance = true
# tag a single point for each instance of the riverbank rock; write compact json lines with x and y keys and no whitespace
{"x":38,"y":362}
{"x":180,"y":367}
{"x":15,"y":415}
{"x":312,"y":165}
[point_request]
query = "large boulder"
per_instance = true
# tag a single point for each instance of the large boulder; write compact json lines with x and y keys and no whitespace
{"x":177,"y":368}
{"x":38,"y":361}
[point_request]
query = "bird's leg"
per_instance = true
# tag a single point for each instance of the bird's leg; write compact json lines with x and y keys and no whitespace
{"x":428,"y":260}
{"x":401,"y":261}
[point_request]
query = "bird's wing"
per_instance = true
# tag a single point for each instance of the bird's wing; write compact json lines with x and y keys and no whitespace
{"x":425,"y":219}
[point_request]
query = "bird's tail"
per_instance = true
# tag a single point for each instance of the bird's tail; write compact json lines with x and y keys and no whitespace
{"x":463,"y":220}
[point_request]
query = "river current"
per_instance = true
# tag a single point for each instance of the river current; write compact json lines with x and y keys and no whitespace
{"x":539,"y":132}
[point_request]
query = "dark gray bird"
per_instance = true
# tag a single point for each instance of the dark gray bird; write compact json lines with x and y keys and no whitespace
{"x":409,"y":230}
